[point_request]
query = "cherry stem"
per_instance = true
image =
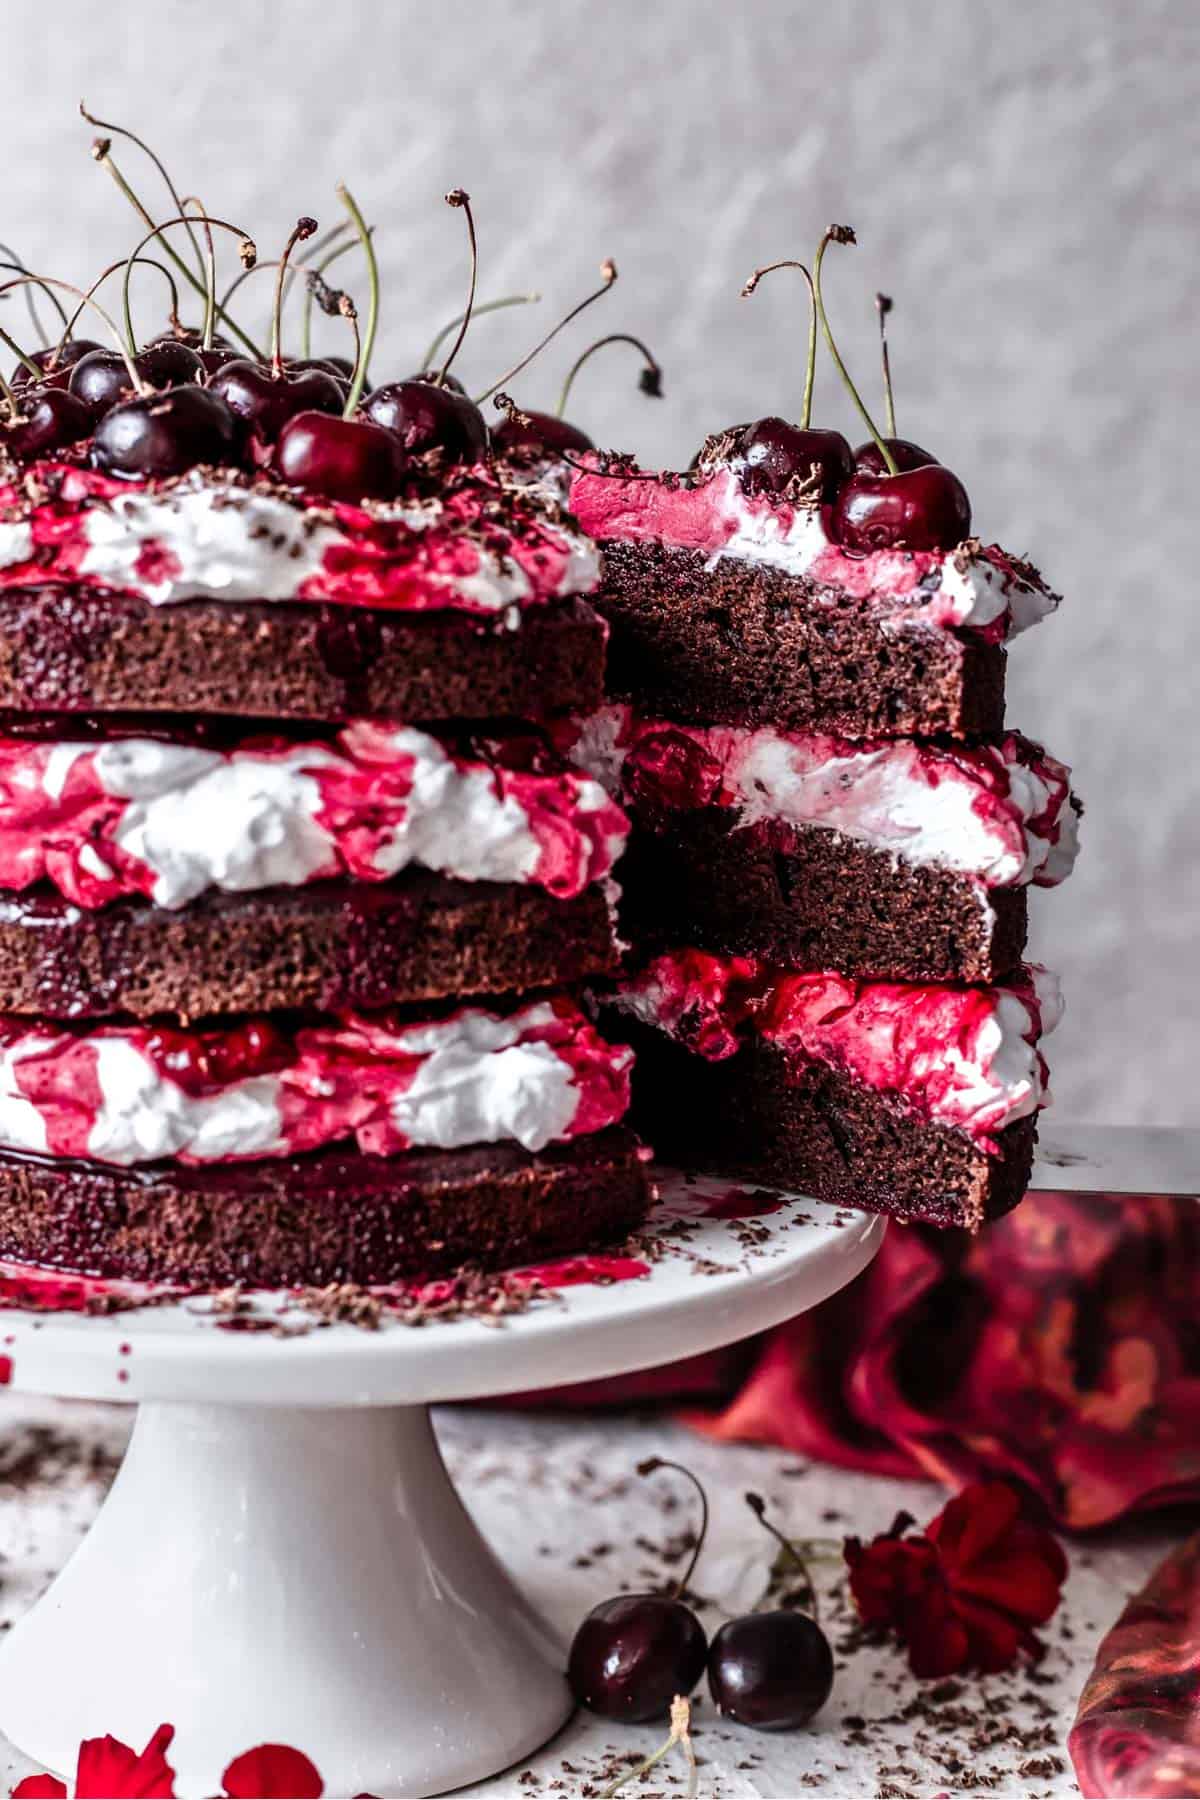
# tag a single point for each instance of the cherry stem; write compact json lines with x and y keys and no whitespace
{"x":883,"y":307}
{"x":101,"y":153}
{"x":649,"y":1467}
{"x":303,"y":228}
{"x":149,"y":262}
{"x":10,"y":399}
{"x":608,"y":271}
{"x":348,"y":310}
{"x":136,"y":382}
{"x":842,"y":234}
{"x":19,"y":268}
{"x":484,"y":306}
{"x":210,"y":271}
{"x":310,"y":286}
{"x":758,"y":1507}
{"x":26,"y":362}
{"x":650,"y":380}
{"x":366,"y":345}
{"x":681,"y":1734}
{"x":459,"y":197}
{"x":132,"y":137}
{"x":810,"y":366}
{"x":247,"y":251}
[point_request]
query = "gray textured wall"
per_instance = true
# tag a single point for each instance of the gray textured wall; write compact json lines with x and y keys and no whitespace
{"x":1024,"y":179}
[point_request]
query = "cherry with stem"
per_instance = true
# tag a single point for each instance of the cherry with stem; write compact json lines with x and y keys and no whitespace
{"x":844,"y":234}
{"x":608,"y":272}
{"x":247,"y":253}
{"x":86,"y":299}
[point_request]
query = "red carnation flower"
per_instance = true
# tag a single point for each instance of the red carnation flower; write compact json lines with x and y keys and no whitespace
{"x":272,"y":1772}
{"x":967,"y":1592}
{"x":109,"y":1770}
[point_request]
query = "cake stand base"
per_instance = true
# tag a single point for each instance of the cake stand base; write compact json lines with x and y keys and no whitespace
{"x":319,"y":1568}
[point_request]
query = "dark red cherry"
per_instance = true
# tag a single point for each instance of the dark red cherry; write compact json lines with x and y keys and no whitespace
{"x":216,"y":358}
{"x":101,"y":380}
{"x":341,"y":366}
{"x":343,"y":459}
{"x":265,"y":402}
{"x":772,"y":1670}
{"x":772,"y":454}
{"x":193,"y":337}
{"x":919,"y":509}
{"x":165,"y":434}
{"x":632,"y":1655}
{"x":427,"y":417}
{"x":64,"y":362}
{"x":168,"y":363}
{"x":538,"y":431}
{"x":54,"y":419}
{"x":905,"y":455}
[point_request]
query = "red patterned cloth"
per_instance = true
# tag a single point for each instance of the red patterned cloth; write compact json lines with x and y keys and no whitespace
{"x":1060,"y":1348}
{"x":1137,"y":1732}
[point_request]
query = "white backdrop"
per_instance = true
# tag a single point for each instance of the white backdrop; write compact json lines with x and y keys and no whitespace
{"x":1024,"y":180}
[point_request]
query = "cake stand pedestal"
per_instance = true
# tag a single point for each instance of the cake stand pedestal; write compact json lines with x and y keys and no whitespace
{"x":283,"y":1559}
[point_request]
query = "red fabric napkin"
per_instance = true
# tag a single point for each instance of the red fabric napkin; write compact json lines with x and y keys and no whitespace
{"x":1137,"y":1732}
{"x":1060,"y":1347}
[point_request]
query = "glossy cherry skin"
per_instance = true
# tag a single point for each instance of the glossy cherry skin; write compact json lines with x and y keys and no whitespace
{"x":343,"y":459}
{"x":216,"y":358}
{"x":451,"y":381}
{"x":166,"y":434}
{"x":426,"y":417}
{"x":101,"y":379}
{"x":168,"y":363}
{"x":771,"y":454}
{"x":54,"y":419}
{"x":265,"y":402}
{"x":64,"y":362}
{"x":772,"y":1670}
{"x":905,"y":455}
{"x":542,"y":432}
{"x":632,"y":1655}
{"x":919,"y":509}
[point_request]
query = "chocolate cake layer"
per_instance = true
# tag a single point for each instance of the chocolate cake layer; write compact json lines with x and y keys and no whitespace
{"x":64,"y":650}
{"x":333,"y":1216}
{"x":330,"y":945}
{"x":764,"y":1116}
{"x":811,"y":899}
{"x":742,"y":644}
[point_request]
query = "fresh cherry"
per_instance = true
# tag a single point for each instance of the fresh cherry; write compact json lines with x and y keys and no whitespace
{"x":216,"y":358}
{"x":539,"y":431}
{"x":64,"y":361}
{"x":905,"y":455}
{"x":450,"y":381}
{"x":265,"y":402}
{"x":427,"y":417}
{"x":772,"y":1670}
{"x":919,"y":509}
{"x":772,"y":454}
{"x":168,"y":363}
{"x":101,"y":379}
{"x":632,"y":1655}
{"x":343,"y":459}
{"x":54,"y":418}
{"x":165,"y":434}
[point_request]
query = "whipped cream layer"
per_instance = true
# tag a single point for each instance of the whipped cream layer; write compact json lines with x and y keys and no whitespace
{"x":972,"y":587}
{"x":1001,"y":813}
{"x":468,"y":544}
{"x":138,"y":815}
{"x":963,"y":1057}
{"x":132,"y":1094}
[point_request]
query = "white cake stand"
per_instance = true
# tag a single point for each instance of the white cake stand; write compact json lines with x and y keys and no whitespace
{"x":282,"y":1557}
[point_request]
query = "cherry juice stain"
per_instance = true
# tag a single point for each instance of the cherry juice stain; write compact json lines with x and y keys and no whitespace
{"x":579,"y":1271}
{"x":742,"y":1203}
{"x":6,"y":1370}
{"x":50,"y":1291}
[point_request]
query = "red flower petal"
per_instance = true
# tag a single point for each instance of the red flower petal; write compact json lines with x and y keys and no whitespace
{"x":109,"y":1770}
{"x":272,"y":1772}
{"x":39,"y":1787}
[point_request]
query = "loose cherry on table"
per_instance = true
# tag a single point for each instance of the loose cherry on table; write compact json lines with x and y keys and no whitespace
{"x":919,"y":509}
{"x":165,"y":434}
{"x":539,"y":431}
{"x":905,"y":454}
{"x":772,"y":453}
{"x":343,"y":459}
{"x":771,"y":1670}
{"x":64,"y":360}
{"x":53,"y":420}
{"x":425,"y":417}
{"x":265,"y":402}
